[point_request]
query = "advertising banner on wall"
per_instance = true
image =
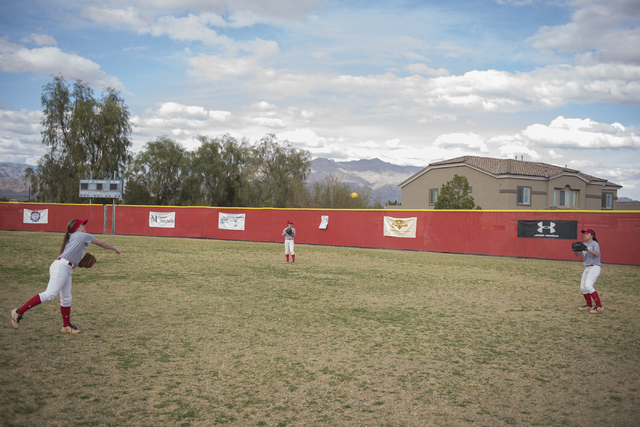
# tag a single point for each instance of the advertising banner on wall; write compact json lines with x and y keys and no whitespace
{"x":162,"y":219}
{"x":230,"y":221}
{"x":35,"y":217}
{"x":400,"y":227}
{"x":548,"y":229}
{"x":324,"y":222}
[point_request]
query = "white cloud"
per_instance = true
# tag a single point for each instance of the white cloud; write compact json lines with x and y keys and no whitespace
{"x":214,"y":67}
{"x":393,"y":144}
{"x":40,"y":40}
{"x":20,"y":140}
{"x":53,"y":61}
{"x":582,"y":134}
{"x":425,"y":70}
{"x":23,"y":122}
{"x":203,"y":13}
{"x":466,"y":141}
{"x":595,"y":32}
{"x":269,"y":122}
{"x":429,"y":117}
{"x":368,"y":144}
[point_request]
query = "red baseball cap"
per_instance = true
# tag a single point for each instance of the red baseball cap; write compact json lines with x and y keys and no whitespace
{"x":590,"y":231}
{"x":290,"y":222}
{"x":77,"y":224}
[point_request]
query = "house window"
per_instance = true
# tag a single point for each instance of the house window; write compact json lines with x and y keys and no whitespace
{"x":524,"y":196}
{"x":607,"y":201}
{"x":433,"y":196}
{"x":566,"y":198}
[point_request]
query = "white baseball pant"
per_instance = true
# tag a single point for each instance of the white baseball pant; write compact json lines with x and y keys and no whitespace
{"x":59,"y":283}
{"x":589,"y":277}
{"x":288,"y":247}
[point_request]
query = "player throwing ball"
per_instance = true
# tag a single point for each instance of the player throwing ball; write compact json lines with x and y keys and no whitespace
{"x":75,"y":242}
{"x":591,"y":254}
{"x":289,"y":233}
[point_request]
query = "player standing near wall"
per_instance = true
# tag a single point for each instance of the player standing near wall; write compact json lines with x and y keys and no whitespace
{"x":74,"y":244}
{"x":289,"y":233}
{"x":591,"y":254}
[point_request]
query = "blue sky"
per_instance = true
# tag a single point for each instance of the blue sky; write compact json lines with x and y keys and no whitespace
{"x":410,"y":82}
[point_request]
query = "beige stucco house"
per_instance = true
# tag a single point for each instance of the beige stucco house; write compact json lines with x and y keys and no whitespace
{"x":511,"y":184}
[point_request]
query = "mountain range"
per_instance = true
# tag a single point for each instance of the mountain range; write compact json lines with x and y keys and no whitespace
{"x":382,"y":177}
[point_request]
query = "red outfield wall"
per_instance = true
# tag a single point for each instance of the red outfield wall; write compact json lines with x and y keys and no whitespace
{"x":469,"y":232}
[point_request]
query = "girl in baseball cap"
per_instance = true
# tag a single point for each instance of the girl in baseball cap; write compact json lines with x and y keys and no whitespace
{"x":591,"y":261}
{"x":74,"y":244}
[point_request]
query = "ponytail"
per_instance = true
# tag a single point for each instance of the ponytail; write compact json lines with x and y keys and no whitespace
{"x":70,"y":226}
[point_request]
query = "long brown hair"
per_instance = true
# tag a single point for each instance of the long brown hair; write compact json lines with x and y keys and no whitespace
{"x":67,"y":235}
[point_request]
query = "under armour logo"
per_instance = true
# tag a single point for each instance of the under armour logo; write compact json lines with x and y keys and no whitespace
{"x":550,"y":227}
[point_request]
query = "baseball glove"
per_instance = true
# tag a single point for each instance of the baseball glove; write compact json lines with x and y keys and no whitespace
{"x":289,"y":231}
{"x":578,"y":247}
{"x":87,"y":260}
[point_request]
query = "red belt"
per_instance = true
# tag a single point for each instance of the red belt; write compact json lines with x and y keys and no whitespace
{"x":70,"y":263}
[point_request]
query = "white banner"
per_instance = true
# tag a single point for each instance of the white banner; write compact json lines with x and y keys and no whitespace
{"x":324,"y":221}
{"x":400,"y":227}
{"x":35,"y":217}
{"x":230,"y":221}
{"x":162,"y":219}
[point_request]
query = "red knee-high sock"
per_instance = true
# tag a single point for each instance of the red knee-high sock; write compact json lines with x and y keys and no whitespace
{"x":30,"y":304}
{"x":287,"y":255}
{"x":596,"y":298}
{"x":293,"y":258}
{"x":587,"y":298}
{"x":66,"y":314}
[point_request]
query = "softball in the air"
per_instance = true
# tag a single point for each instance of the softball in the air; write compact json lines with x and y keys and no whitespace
{"x":354,"y":195}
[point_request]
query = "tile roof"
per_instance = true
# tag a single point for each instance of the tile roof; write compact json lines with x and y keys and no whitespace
{"x":628,"y":206}
{"x":519,"y":167}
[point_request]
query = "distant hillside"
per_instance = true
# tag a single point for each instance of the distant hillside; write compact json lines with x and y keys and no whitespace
{"x":382,"y":177}
{"x":11,"y":183}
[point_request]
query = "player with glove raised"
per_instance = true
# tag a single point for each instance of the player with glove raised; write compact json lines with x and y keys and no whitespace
{"x":289,"y":233}
{"x":590,"y":250}
{"x":74,"y":244}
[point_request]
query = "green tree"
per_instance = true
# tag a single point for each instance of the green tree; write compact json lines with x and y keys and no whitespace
{"x":274,"y":174}
{"x":85,"y":136}
{"x":135,"y":193}
{"x":217,"y":167}
{"x":455,"y":194}
{"x":159,"y":169}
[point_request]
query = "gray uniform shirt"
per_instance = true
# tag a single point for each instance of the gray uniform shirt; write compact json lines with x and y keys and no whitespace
{"x":77,"y":244}
{"x":589,"y":258}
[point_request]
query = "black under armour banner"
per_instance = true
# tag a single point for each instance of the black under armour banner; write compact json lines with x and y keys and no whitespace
{"x":548,"y":229}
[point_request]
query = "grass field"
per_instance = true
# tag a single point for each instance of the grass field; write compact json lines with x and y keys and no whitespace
{"x":182,"y":332}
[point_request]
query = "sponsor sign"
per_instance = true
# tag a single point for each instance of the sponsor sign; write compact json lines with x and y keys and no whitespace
{"x":35,"y":217}
{"x":162,"y":219}
{"x":400,"y":227}
{"x":548,"y":229}
{"x":324,"y":222}
{"x":230,"y":221}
